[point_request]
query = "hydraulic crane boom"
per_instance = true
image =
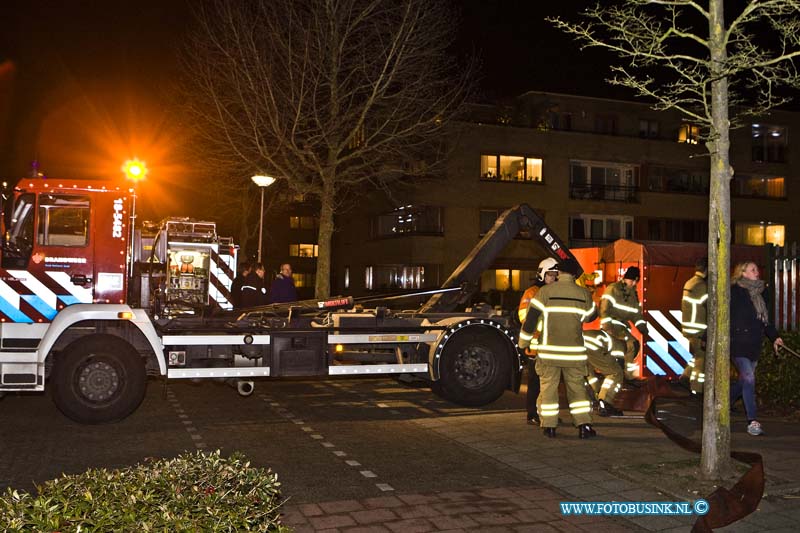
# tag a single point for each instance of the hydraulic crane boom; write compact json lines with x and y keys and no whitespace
{"x":518,"y":220}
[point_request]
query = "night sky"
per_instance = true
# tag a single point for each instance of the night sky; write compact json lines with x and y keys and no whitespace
{"x":94,"y":80}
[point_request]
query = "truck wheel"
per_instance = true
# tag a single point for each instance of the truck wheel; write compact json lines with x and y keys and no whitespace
{"x":474,"y":369}
{"x":98,"y":379}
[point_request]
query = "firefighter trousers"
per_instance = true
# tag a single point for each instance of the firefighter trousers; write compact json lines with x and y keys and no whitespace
{"x":697,"y":375}
{"x":532,"y":396}
{"x":603,"y":362}
{"x":574,"y":381}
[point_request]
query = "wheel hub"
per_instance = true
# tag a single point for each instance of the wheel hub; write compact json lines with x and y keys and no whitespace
{"x":98,"y":381}
{"x":473,"y":366}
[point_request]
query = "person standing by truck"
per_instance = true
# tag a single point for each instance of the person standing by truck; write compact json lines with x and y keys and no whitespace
{"x":563,"y":307}
{"x":238,"y":283}
{"x":619,"y":306}
{"x":694,"y":323}
{"x":282,"y":289}
{"x":254,"y":293}
{"x":546,"y":274}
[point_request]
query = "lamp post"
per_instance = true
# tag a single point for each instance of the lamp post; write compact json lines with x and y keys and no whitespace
{"x":263,"y":182}
{"x":135,"y":170}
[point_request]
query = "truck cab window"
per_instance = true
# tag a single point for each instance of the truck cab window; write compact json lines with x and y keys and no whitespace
{"x":18,"y":241}
{"x":63,"y":220}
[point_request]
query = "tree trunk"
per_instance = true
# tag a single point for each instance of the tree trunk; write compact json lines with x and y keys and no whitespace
{"x":715,"y":457}
{"x":322,"y":287}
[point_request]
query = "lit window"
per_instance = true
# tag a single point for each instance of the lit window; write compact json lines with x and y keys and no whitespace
{"x":303,"y":279}
{"x":511,"y":168}
{"x":689,"y":134}
{"x":504,"y":279}
{"x":759,"y":234}
{"x":758,"y":187}
{"x":303,"y":250}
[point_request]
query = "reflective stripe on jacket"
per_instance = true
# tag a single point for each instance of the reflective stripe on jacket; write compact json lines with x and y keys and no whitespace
{"x":620,"y":305}
{"x":563,"y":307}
{"x":694,"y":319}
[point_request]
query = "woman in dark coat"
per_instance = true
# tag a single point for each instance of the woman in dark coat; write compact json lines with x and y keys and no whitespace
{"x":748,"y":326}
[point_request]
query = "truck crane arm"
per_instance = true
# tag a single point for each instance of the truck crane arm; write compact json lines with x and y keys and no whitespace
{"x":518,"y":220}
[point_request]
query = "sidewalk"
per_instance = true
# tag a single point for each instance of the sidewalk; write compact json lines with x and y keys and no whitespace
{"x":564,"y":469}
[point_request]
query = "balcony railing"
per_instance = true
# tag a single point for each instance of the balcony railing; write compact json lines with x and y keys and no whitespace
{"x":614,"y":193}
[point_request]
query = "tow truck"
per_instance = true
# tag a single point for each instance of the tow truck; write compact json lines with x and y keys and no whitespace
{"x":91,"y":307}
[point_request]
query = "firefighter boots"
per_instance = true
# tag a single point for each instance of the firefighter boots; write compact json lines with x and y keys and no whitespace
{"x":585,"y":431}
{"x":549,"y":432}
{"x":606,"y":409}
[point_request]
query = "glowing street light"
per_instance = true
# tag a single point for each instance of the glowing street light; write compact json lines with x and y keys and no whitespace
{"x":263,"y":182}
{"x":135,"y":170}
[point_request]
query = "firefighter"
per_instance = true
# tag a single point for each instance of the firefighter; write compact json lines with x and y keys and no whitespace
{"x":694,"y":323}
{"x":619,"y":306}
{"x":603,"y":350}
{"x":546,"y":274}
{"x":563,"y":307}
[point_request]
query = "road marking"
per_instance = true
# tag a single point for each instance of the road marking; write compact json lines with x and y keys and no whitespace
{"x":285,"y":413}
{"x":188,"y":425}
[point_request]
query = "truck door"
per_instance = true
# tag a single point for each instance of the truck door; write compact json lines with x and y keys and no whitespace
{"x":48,"y":256}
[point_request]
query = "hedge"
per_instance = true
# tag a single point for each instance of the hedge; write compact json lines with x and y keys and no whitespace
{"x":192,"y":492}
{"x":778,"y":375}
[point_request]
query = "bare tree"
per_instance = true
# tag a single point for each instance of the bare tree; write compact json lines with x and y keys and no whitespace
{"x":333,"y":96}
{"x":686,"y":55}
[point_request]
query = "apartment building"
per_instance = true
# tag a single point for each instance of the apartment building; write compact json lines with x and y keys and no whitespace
{"x":596,"y":169}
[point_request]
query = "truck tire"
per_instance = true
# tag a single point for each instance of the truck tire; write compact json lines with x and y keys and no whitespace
{"x":474,"y":369}
{"x":98,"y":379}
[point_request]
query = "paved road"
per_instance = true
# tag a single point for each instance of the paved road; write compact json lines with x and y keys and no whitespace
{"x":364,"y":434}
{"x":356,"y":455}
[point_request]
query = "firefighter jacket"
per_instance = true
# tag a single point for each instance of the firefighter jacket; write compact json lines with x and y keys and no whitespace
{"x":620,"y":305}
{"x":525,"y":301}
{"x":694,"y":319}
{"x":563,"y":307}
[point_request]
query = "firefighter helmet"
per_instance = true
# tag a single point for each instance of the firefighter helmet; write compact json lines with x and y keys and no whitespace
{"x":545,"y":266}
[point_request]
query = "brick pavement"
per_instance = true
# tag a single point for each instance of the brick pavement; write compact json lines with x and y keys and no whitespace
{"x":561,"y":469}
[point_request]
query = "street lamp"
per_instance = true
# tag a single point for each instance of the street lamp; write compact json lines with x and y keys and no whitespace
{"x":263,"y":182}
{"x":135,"y":171}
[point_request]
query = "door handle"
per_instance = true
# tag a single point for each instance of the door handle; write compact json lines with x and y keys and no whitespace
{"x":80,"y":279}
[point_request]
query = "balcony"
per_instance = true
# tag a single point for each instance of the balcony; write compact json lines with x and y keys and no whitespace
{"x":612,"y":193}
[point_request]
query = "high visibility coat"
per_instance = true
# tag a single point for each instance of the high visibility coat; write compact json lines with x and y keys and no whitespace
{"x":620,"y":306}
{"x":563,"y":307}
{"x":525,"y":301}
{"x":694,"y":318}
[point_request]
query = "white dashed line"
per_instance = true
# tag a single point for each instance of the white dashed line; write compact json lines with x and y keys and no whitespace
{"x":186,"y":421}
{"x":285,"y":413}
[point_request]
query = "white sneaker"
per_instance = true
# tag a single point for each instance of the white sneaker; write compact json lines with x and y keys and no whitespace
{"x":754,"y":428}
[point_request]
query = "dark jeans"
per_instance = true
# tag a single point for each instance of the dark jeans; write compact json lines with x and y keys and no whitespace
{"x":746,"y":386}
{"x":533,"y":387}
